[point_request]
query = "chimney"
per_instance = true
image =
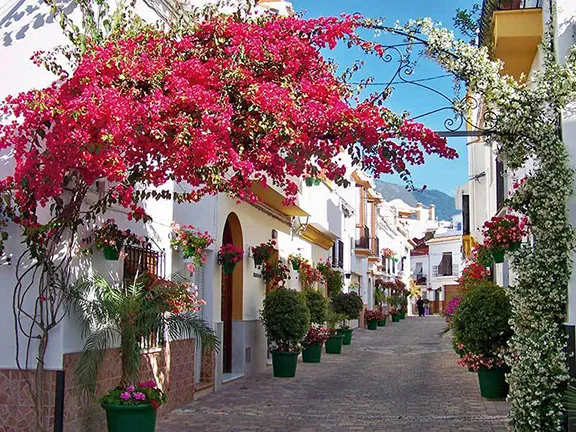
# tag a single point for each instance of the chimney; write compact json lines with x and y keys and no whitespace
{"x":432,"y":212}
{"x":419,"y":212}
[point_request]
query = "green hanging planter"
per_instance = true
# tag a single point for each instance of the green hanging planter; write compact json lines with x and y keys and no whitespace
{"x":515,"y":246}
{"x":382,"y":323}
{"x":296,"y":265}
{"x":284,"y":364}
{"x":228,"y":267}
{"x":498,"y":255}
{"x":493,"y":383}
{"x":396,"y":318}
{"x":373,"y":325}
{"x":130,"y":418}
{"x":312,"y":353}
{"x":309,"y":181}
{"x":347,"y":333}
{"x":334,"y":344}
{"x":111,"y":253}
{"x":258,"y":261}
{"x":317,"y":181}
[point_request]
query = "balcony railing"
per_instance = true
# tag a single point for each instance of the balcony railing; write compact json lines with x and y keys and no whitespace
{"x":420,"y":278}
{"x":445,"y":271}
{"x":491,"y":6}
{"x":362,"y":237}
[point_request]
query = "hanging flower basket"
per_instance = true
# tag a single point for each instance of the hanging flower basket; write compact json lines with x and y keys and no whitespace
{"x":295,"y":265}
{"x":498,"y":255}
{"x":317,"y":181}
{"x":309,"y":181}
{"x":263,"y":252}
{"x":111,"y":253}
{"x":228,"y":267}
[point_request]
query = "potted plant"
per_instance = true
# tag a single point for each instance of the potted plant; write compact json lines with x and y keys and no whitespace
{"x":395,"y":315}
{"x":335,"y":340}
{"x":388,"y":253}
{"x":348,"y":304}
{"x":372,"y":317}
{"x":312,"y":343}
{"x":286,"y":320}
{"x":402,"y":304}
{"x":263,"y":252}
{"x":110,"y":315}
{"x":109,"y":239}
{"x":296,"y":260}
{"x":228,"y":256}
{"x":275,"y":274}
{"x":482,"y":324}
{"x":192,"y":244}
{"x":317,"y":305}
{"x":504,"y":233}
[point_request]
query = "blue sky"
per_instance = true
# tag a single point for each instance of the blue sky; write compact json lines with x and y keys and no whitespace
{"x":436,"y":173}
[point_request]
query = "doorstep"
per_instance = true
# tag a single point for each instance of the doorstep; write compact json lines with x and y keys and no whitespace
{"x":229,"y":377}
{"x":202,"y":389}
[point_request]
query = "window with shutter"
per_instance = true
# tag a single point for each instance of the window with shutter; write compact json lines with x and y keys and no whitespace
{"x":335,"y":255}
{"x":340,"y":253}
{"x":445,"y":266}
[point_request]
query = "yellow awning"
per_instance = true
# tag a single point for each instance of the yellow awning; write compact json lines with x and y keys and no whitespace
{"x":275,"y":200}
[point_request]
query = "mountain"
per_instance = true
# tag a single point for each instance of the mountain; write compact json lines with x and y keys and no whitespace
{"x":445,"y":206}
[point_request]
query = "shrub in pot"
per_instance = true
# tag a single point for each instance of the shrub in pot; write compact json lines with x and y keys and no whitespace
{"x":312,"y":343}
{"x":317,"y":304}
{"x":286,"y":320}
{"x":372,"y":317}
{"x":110,"y":314}
{"x":348,"y":304}
{"x":481,"y":324}
{"x":335,"y":340}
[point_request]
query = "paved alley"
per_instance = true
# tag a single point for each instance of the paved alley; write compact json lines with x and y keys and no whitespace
{"x":399,"y":378}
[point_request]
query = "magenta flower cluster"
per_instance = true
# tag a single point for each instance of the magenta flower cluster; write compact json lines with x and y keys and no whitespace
{"x":131,"y":393}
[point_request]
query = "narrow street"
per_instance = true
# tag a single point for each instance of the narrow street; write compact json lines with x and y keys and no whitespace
{"x":400,"y":378}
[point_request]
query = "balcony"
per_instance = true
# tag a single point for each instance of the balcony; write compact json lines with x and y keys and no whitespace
{"x":364,"y":243}
{"x":513,"y":29}
{"x":441,"y":271}
{"x":374,"y":248}
{"x":420,"y":278}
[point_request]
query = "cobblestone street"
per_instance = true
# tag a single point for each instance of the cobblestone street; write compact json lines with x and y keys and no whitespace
{"x":400,"y":378}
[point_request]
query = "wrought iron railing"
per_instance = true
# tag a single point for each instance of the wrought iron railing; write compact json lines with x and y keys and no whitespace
{"x":362,"y":237}
{"x":445,"y":270}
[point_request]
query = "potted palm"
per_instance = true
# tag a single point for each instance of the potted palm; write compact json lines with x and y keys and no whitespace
{"x":372,"y":317}
{"x":312,"y":343}
{"x":286,"y":320}
{"x":335,"y":340}
{"x":481,"y":323}
{"x":348,"y":304}
{"x":112,"y":315}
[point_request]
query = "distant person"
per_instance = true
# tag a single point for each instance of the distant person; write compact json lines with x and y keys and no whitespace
{"x":420,"y":305}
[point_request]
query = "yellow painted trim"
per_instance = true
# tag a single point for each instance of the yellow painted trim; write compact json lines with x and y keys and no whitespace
{"x":468,"y":243}
{"x":373,"y":259}
{"x":516,"y":36}
{"x":362,"y":252}
{"x":317,"y":237}
{"x":275,"y":200}
{"x":360,"y":181}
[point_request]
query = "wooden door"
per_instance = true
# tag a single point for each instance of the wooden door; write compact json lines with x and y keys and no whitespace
{"x":226,"y":307}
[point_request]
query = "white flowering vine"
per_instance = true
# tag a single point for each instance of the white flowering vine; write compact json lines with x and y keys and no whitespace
{"x":524,"y":127}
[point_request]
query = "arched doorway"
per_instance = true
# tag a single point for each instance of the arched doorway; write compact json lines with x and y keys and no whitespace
{"x":232,"y":290}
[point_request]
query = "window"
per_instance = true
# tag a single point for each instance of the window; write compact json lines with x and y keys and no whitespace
{"x":499,"y":184}
{"x":338,"y":254}
{"x":465,"y":214}
{"x":445,"y":266}
{"x":138,"y":261}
